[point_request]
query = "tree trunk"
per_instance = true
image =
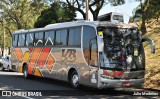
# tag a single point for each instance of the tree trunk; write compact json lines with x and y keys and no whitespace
{"x":143,"y":25}
{"x":95,"y":16}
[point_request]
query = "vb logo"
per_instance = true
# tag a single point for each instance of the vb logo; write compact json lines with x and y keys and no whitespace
{"x":68,"y":55}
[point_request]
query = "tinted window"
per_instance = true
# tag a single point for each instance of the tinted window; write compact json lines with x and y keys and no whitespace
{"x":61,"y":37}
{"x":58,"y":37}
{"x":74,"y":37}
{"x":15,"y":39}
{"x":38,"y":41}
{"x":21,"y":40}
{"x":89,"y":33}
{"x":77,"y":36}
{"x":64,"y":37}
{"x":49,"y":38}
{"x":29,"y":39}
{"x":71,"y":37}
{"x":94,"y":51}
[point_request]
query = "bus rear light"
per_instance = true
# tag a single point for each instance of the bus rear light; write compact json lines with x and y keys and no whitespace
{"x":107,"y":77}
{"x":126,"y":84}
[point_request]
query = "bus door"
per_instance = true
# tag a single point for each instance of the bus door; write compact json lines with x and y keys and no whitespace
{"x":93,"y":62}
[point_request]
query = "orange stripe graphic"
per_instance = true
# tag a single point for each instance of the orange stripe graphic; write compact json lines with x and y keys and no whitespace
{"x":43,"y":57}
{"x":24,"y":60}
{"x":18,"y":53}
{"x":33,"y":59}
{"x":37,"y":72}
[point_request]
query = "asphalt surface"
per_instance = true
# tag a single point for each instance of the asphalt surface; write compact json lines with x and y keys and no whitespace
{"x":14,"y":82}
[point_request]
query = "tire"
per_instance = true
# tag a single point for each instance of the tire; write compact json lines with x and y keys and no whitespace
{"x":74,"y":79}
{"x":25,"y":72}
{"x":8,"y":68}
{"x":2,"y":68}
{"x":141,"y":57}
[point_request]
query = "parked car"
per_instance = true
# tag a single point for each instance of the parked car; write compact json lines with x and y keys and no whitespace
{"x":6,"y":63}
{"x":1,"y":59}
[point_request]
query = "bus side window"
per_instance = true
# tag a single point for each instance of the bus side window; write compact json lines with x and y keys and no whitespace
{"x":15,"y":39}
{"x":61,"y":37}
{"x":93,"y":53}
{"x":89,"y":33}
{"x":74,"y":38}
{"x":49,"y":38}
{"x":58,"y":37}
{"x":38,"y":41}
{"x":21,"y":40}
{"x":64,"y":33}
{"x":29,"y":39}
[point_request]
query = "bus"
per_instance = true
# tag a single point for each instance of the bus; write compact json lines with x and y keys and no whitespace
{"x":91,"y":53}
{"x":112,"y":17}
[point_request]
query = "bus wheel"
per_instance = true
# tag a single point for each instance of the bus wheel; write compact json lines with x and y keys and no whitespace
{"x":8,"y":68}
{"x":141,"y":58}
{"x":74,"y":79}
{"x":2,"y":68}
{"x":25,"y":72}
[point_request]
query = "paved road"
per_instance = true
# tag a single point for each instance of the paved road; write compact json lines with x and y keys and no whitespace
{"x":58,"y":89}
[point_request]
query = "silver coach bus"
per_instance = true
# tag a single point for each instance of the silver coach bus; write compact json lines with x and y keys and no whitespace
{"x":96,"y":54}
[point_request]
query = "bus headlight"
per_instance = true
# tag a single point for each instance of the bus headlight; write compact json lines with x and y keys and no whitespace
{"x":106,"y":76}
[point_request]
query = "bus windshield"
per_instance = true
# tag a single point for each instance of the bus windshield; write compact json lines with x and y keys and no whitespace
{"x":120,"y":44}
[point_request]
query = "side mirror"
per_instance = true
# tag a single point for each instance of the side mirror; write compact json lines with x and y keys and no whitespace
{"x":151,"y":42}
{"x":100,"y":43}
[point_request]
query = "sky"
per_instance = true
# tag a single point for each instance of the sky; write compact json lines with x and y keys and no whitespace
{"x":126,"y":9}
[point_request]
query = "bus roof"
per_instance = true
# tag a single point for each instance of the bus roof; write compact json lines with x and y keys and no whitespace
{"x":70,"y":24}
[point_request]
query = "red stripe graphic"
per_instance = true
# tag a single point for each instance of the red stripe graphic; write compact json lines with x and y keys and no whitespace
{"x":50,"y":62}
{"x":30,"y":49}
{"x":114,"y":73}
{"x":43,"y":57}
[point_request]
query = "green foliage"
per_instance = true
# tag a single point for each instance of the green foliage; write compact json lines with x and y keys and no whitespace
{"x":116,"y":2}
{"x":153,"y":10}
{"x":19,"y":14}
{"x":58,"y":12}
{"x":94,"y":6}
{"x":150,"y":9}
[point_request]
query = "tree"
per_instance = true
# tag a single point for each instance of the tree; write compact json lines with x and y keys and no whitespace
{"x":94,"y":6}
{"x":58,"y":12}
{"x":153,"y":10}
{"x":147,"y":10}
{"x":19,"y":14}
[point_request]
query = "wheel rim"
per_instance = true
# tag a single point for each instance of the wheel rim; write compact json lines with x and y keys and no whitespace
{"x":75,"y":79}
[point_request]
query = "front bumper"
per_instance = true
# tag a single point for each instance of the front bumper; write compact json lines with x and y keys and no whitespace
{"x":114,"y":83}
